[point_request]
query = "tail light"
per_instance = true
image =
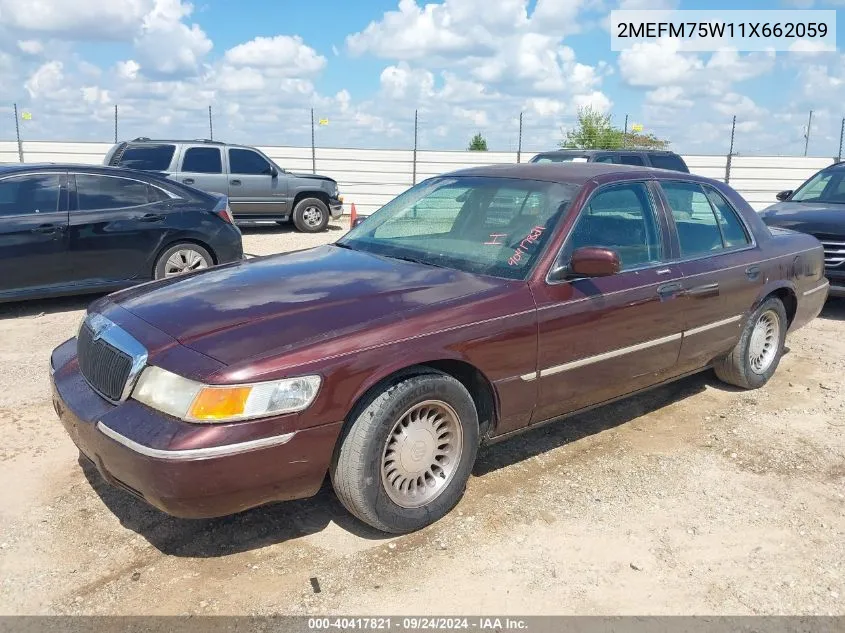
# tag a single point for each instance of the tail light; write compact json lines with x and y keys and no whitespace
{"x":223,"y":211}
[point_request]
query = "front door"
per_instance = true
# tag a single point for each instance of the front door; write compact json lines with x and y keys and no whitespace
{"x":33,"y":231}
{"x":256,"y":189}
{"x":202,"y":167}
{"x":718,"y":261}
{"x":603,"y":337}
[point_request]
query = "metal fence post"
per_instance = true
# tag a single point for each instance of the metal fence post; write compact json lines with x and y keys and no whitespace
{"x":519,"y":143}
{"x":313,"y":146}
{"x":18,"y":134}
{"x":807,"y":135}
{"x":115,"y":123}
{"x":625,"y":132}
{"x":841,"y":134}
{"x":730,"y":153}
{"x":210,"y":125}
{"x":416,"y":129}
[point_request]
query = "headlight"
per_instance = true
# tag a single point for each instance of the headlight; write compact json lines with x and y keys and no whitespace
{"x":195,"y":402}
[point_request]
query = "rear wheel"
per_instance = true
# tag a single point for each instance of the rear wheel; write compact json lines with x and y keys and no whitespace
{"x":180,"y":259}
{"x":755,"y":357}
{"x":405,"y":461}
{"x":311,"y":215}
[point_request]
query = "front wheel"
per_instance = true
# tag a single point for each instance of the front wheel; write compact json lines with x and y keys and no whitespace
{"x":405,"y":460}
{"x":755,"y":357}
{"x":311,"y":215}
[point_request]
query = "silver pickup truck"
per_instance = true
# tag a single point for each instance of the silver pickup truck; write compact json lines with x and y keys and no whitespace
{"x":257,"y":188}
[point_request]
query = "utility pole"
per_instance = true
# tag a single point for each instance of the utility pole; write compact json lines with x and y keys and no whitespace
{"x":416,"y":130}
{"x":18,"y":134}
{"x":115,"y":123}
{"x":210,"y":125}
{"x":519,"y":146}
{"x":313,"y":146}
{"x":625,"y":133}
{"x":841,"y":134}
{"x":730,"y":152}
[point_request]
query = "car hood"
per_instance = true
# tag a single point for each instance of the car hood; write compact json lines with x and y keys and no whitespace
{"x":809,"y":217}
{"x":286,"y":302}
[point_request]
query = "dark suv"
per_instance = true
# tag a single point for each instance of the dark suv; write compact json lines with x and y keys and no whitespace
{"x":257,"y":188}
{"x":661,"y":159}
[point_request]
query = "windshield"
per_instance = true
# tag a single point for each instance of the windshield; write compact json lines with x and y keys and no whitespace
{"x":826,"y":186}
{"x":490,"y":226}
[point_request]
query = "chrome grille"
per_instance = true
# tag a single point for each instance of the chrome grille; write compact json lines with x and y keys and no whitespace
{"x":109,"y":358}
{"x":834,"y":253}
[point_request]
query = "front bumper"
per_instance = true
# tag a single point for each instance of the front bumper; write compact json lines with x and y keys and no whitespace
{"x":837,"y":282}
{"x":222,"y":470}
{"x":336,"y":207}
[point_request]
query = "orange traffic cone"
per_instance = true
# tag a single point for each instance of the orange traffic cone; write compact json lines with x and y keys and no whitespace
{"x":353,"y":215}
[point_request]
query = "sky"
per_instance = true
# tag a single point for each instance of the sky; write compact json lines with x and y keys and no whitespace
{"x":366,"y":66}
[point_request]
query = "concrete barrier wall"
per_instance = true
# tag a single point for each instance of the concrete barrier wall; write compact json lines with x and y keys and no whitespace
{"x":372,"y":177}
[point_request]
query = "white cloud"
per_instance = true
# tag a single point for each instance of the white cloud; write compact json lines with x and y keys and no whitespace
{"x":47,"y":81}
{"x":284,"y":52}
{"x":127,"y":69}
{"x":94,"y":94}
{"x":168,"y":46}
{"x":76,"y":20}
{"x":30,"y":47}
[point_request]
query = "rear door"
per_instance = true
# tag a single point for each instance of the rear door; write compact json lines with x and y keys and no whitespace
{"x":33,"y":231}
{"x":603,"y":337}
{"x":718,"y":259}
{"x":117,"y":224}
{"x":201,"y":166}
{"x":254,"y":190}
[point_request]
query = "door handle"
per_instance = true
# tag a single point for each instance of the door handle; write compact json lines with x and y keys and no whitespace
{"x":752,"y":272}
{"x":706,"y":290}
{"x":46,"y":229}
{"x":235,"y":182}
{"x":667,"y":291}
{"x":188,"y":181}
{"x":151,"y":217}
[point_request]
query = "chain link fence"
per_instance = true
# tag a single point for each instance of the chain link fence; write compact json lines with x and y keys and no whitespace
{"x":524,"y":133}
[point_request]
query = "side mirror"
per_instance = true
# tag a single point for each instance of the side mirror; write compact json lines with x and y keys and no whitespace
{"x":592,"y":261}
{"x":783,"y":196}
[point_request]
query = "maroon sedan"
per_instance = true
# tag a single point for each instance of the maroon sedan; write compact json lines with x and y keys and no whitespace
{"x":475,"y":305}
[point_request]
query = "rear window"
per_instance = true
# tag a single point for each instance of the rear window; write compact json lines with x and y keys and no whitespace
{"x":559,"y":158}
{"x":631,"y":159}
{"x":668,"y":161}
{"x":147,"y":157}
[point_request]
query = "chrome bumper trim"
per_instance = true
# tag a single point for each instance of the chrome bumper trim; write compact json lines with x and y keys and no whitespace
{"x":195,"y":453}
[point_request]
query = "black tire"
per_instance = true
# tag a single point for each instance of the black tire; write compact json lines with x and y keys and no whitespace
{"x":736,"y":368}
{"x":304,"y":211}
{"x":356,"y":471}
{"x":159,"y":271}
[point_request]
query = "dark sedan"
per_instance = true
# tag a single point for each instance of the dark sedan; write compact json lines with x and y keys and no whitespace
{"x":474,"y":306}
{"x":817,"y":207}
{"x":72,"y":229}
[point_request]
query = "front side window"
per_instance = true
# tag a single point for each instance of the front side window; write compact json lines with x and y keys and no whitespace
{"x":490,"y":226}
{"x":621,"y":218}
{"x":147,"y":157}
{"x":698,"y":230}
{"x":203,"y":160}
{"x":247,"y":162}
{"x":33,"y":193}
{"x":825,"y":186}
{"x":108,"y":192}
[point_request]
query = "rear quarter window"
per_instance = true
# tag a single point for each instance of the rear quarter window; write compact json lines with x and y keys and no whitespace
{"x":668,"y":161}
{"x":147,"y":157}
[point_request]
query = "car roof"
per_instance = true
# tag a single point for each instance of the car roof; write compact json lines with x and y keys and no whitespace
{"x":593,"y":152}
{"x":11,"y":168}
{"x":144,"y":139}
{"x":574,"y":173}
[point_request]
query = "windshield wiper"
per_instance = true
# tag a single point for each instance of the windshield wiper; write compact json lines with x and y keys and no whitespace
{"x":414,"y":260}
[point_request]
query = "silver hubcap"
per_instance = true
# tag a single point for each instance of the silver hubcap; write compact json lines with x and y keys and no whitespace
{"x":184,"y":261}
{"x":421,"y":454}
{"x":765,"y":337}
{"x":312,"y":216}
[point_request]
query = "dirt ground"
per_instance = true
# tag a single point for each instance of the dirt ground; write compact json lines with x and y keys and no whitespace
{"x":694,"y":498}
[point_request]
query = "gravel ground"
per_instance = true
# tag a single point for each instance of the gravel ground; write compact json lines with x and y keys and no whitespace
{"x":693,"y":498}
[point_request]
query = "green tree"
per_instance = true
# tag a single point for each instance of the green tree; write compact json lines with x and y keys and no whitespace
{"x":478,"y":144}
{"x":595,"y":130}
